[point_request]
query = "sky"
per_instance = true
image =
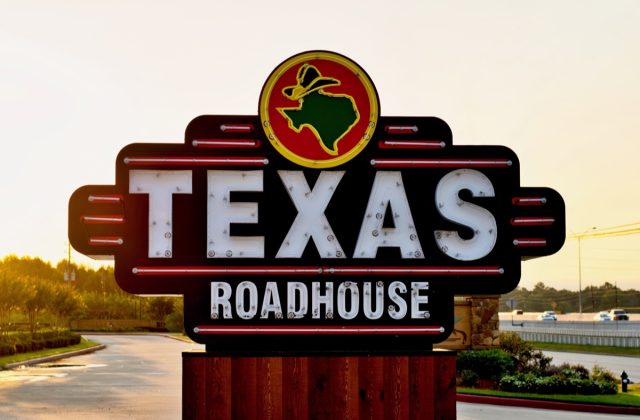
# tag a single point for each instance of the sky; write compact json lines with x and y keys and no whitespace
{"x":556,"y":81}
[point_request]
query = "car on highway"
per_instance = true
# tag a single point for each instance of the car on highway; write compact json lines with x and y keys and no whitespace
{"x":602,"y":316}
{"x":547,"y":316}
{"x":618,"y":315}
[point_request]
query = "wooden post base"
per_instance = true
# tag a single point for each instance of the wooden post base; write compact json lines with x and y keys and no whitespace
{"x":332,"y":387}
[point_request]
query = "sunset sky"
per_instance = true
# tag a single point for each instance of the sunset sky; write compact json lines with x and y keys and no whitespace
{"x":556,"y":81}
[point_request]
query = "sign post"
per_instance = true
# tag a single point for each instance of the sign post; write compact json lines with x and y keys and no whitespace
{"x":317,"y":244}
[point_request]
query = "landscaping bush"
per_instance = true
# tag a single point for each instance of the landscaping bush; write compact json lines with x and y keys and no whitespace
{"x":487,"y":364}
{"x":23,"y":342}
{"x":555,"y":384}
{"x":7,"y":349}
{"x":468,"y":378}
{"x":601,"y":374}
{"x":525,"y":357}
{"x":567,"y":370}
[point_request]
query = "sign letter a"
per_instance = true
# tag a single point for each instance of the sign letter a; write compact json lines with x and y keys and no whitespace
{"x":310,"y":221}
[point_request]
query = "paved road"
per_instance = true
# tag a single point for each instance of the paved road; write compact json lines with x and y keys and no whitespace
{"x":495,"y":412}
{"x":139,"y":377}
{"x":135,"y":377}
{"x":615,"y":364}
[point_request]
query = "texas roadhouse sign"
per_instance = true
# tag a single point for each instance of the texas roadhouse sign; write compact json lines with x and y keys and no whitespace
{"x":317,"y":225}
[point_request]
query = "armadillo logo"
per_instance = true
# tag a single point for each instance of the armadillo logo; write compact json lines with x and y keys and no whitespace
{"x":319,"y":109}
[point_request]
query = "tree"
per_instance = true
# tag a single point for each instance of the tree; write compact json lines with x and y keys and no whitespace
{"x":36,"y":301}
{"x":14,"y":294}
{"x":65,"y":303}
{"x":160,"y":307}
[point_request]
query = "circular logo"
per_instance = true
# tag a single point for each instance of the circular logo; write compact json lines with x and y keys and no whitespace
{"x":319,"y":109}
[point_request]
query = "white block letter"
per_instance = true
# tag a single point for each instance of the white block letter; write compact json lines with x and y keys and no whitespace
{"x":271,"y":301}
{"x":417,"y":299}
{"x":368,"y":296}
{"x":218,"y":299}
{"x":317,"y":299}
{"x":221,"y":212}
{"x":310,"y":221}
{"x":253,"y":300}
{"x":388,"y":190}
{"x":296,"y":288}
{"x":480,"y":220}
{"x":352,"y":289}
{"x":160,"y":185}
{"x":398,"y":300}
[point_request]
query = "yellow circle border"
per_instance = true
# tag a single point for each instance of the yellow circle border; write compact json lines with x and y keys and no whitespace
{"x":265,"y":95}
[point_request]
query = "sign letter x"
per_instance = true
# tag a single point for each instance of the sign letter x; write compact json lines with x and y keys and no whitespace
{"x":310,"y":221}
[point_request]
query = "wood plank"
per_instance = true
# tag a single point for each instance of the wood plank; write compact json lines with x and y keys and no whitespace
{"x":422,"y":387}
{"x":194,"y":388}
{"x":295,"y":388}
{"x":396,"y":382}
{"x":445,"y":389}
{"x":245,"y":388}
{"x":371,"y":388}
{"x":318,"y":385}
{"x":270,"y":392}
{"x":218,"y":388}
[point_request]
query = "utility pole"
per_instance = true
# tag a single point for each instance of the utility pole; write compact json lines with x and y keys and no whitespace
{"x":579,"y":275}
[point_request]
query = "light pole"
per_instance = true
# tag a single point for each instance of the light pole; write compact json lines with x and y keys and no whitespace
{"x":579,"y":276}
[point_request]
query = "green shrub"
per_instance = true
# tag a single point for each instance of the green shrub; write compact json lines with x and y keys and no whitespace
{"x":601,"y":374}
{"x":487,"y":364}
{"x":526,"y":358}
{"x":7,"y":349}
{"x":23,"y":341}
{"x":175,"y":322}
{"x":468,"y":378}
{"x":555,"y":384}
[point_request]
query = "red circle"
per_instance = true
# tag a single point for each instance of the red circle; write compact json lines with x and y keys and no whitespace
{"x":305,"y":144}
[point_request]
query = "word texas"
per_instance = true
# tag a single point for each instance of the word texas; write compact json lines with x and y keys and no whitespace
{"x":311,"y":223}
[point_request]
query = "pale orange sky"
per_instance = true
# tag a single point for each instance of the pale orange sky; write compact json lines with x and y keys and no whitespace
{"x":556,"y":81}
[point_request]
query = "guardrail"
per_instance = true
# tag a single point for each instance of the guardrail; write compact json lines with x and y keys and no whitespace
{"x":578,"y":333}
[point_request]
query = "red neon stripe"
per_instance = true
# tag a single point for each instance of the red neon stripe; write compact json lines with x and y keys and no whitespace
{"x":315,"y":271}
{"x":532,"y":221}
{"x":102,"y":219}
{"x":106,"y":240}
{"x":411,"y":144}
{"x":529,"y":242}
{"x":105,"y":198}
{"x":528,"y":201}
{"x":195,"y":161}
{"x":401,"y":129}
{"x":441,"y":163}
{"x":236,"y":128}
{"x":288,"y":330}
{"x":226,"y":143}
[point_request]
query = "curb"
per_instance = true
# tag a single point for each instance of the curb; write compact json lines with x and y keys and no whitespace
{"x":53,"y":357}
{"x":548,"y":405}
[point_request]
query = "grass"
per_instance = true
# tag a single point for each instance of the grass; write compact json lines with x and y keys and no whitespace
{"x":84,"y":344}
{"x":629,"y":399}
{"x":618,"y":351}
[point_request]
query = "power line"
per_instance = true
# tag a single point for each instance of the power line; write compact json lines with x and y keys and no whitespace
{"x":620,"y":230}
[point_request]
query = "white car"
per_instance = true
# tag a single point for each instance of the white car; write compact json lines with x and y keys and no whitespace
{"x":547,"y":316}
{"x":602,"y":316}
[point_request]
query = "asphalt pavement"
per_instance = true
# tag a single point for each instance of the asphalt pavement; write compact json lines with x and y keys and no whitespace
{"x":139,"y":377}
